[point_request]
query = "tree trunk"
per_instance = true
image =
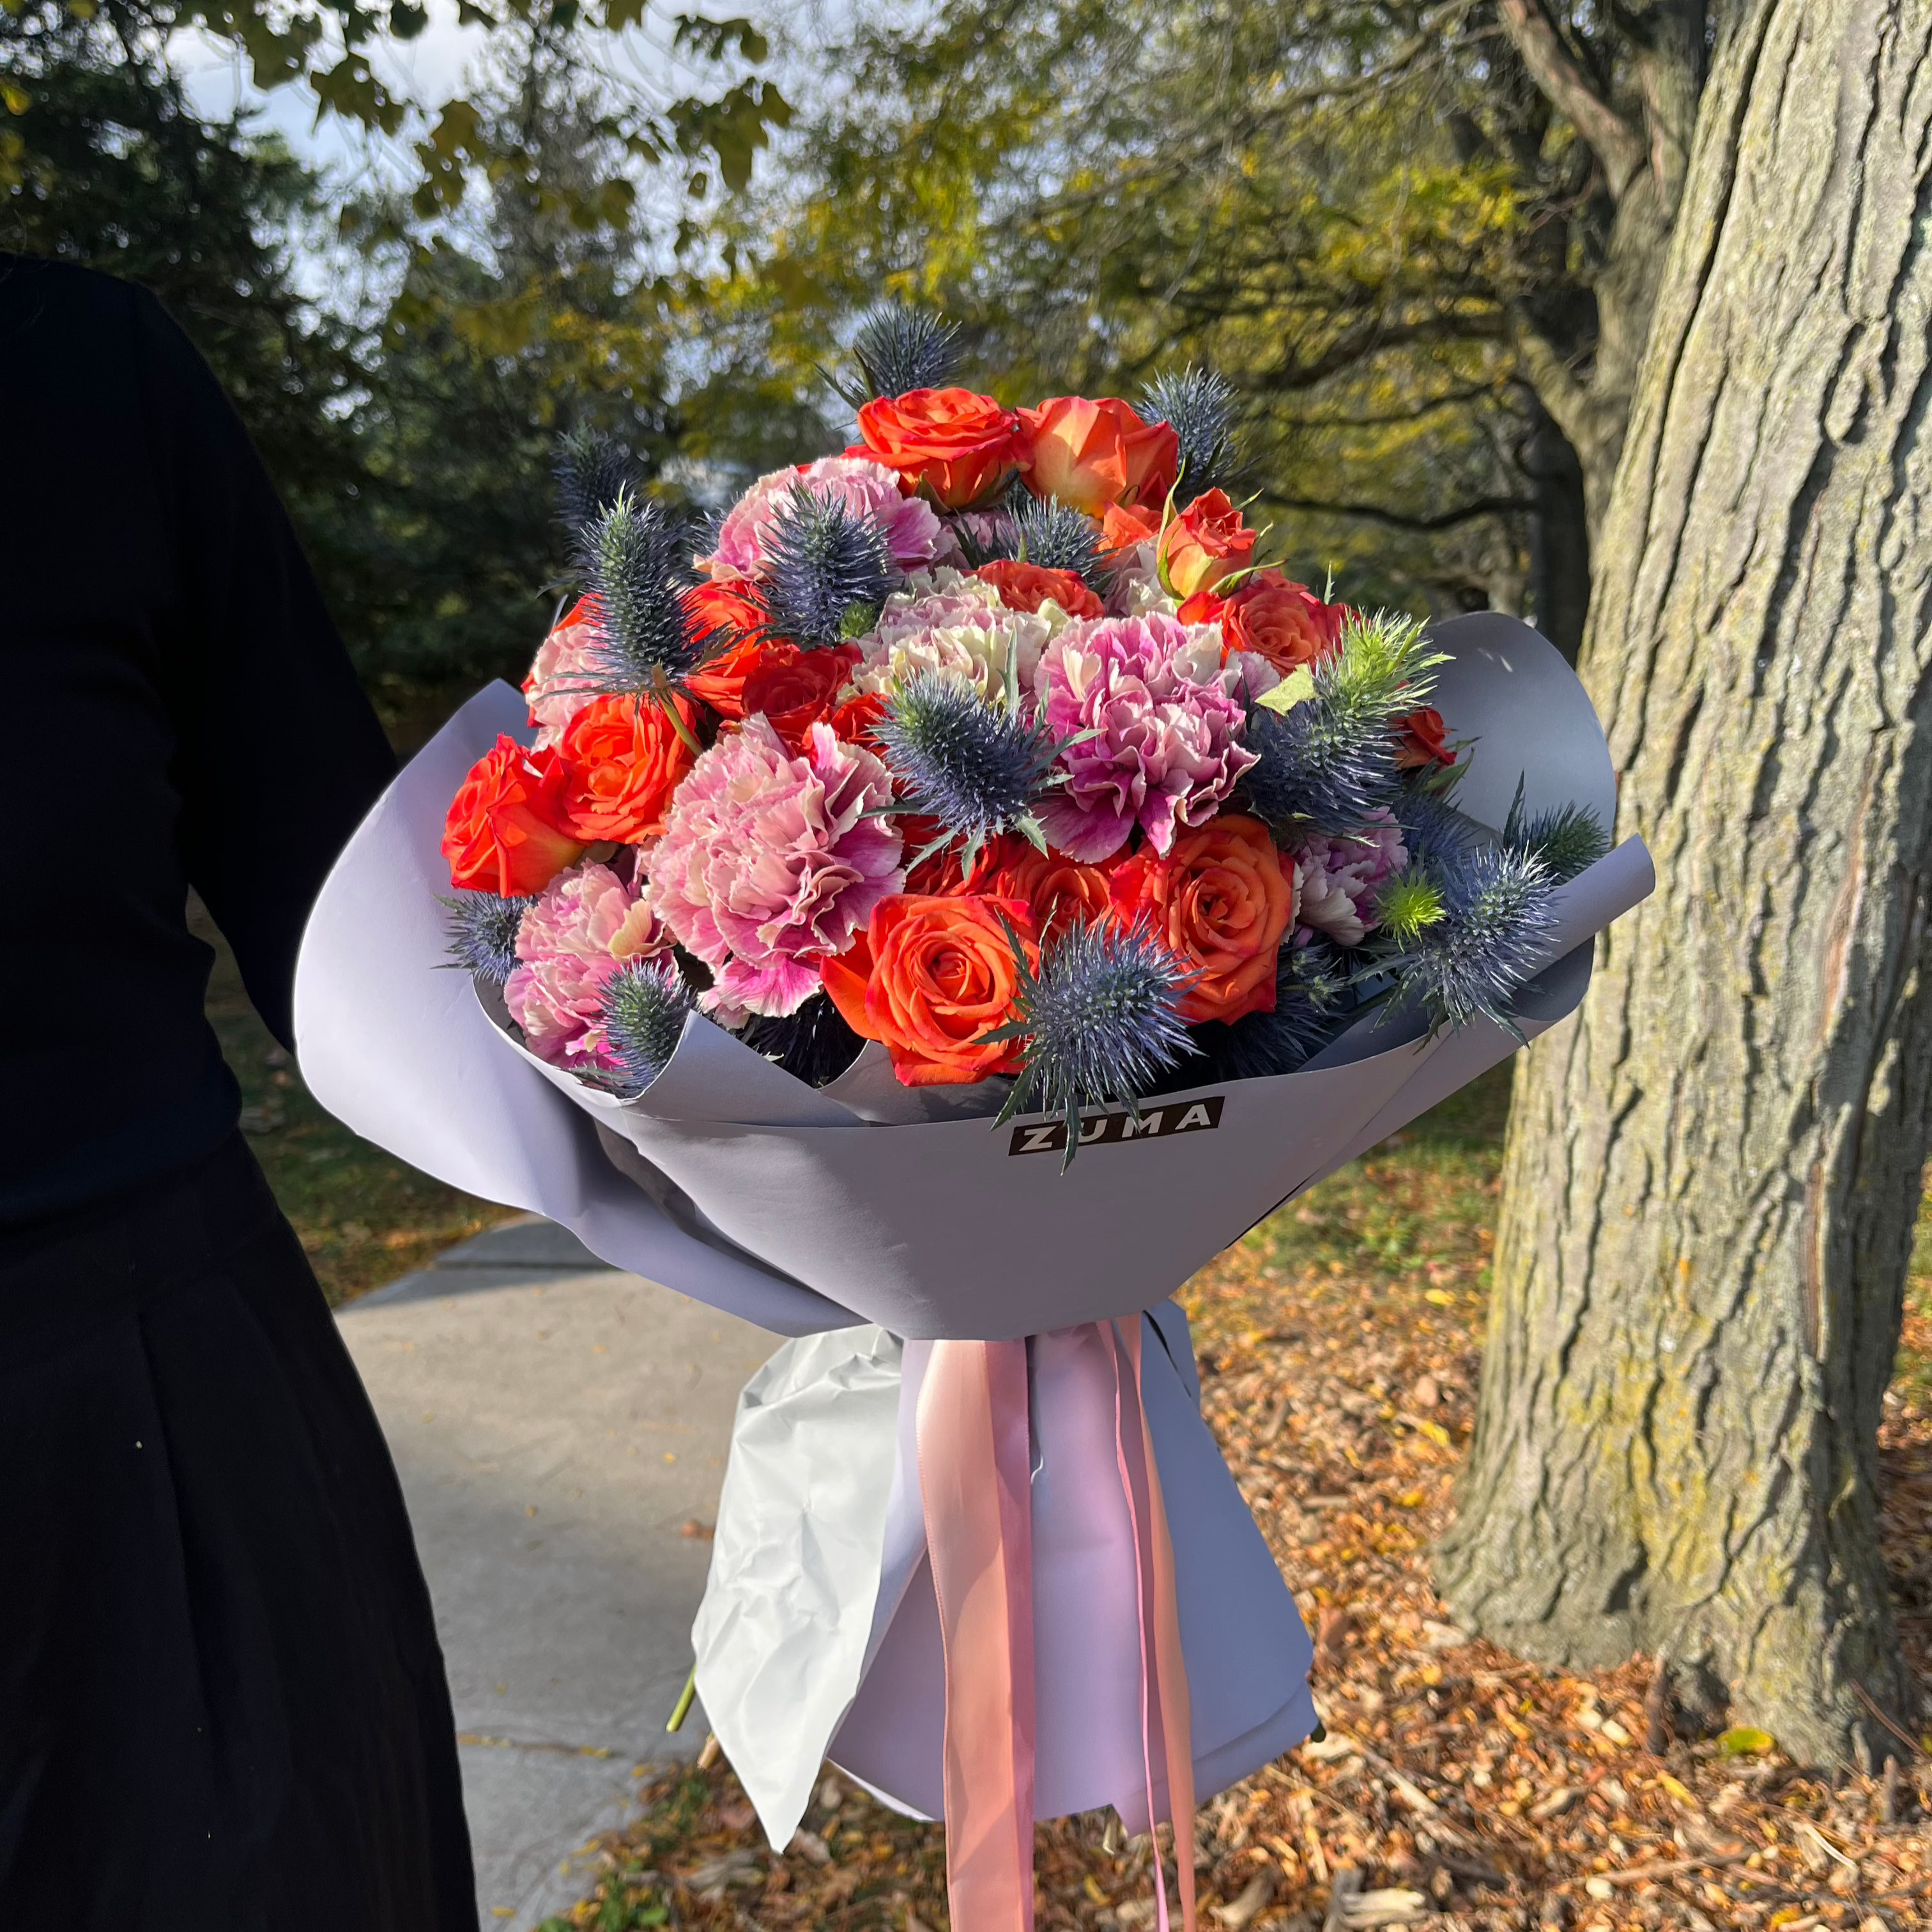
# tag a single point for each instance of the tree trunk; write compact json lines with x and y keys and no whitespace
{"x":1712,"y":1173}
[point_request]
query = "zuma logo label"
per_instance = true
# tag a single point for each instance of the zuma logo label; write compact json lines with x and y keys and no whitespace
{"x":1156,"y":1124}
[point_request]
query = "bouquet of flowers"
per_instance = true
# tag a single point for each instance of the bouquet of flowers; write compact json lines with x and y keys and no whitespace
{"x":992,"y":741}
{"x":984,"y":772}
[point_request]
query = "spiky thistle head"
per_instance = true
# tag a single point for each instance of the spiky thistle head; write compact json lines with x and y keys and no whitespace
{"x":592,"y":470}
{"x":1469,"y":950}
{"x":646,"y":1003}
{"x":1202,"y":410}
{"x":1431,"y":826}
{"x":1053,"y":535}
{"x":898,"y":348}
{"x":976,"y":765}
{"x":1101,"y":1018}
{"x":1313,"y":1001}
{"x":635,"y":561}
{"x":1569,"y":839}
{"x":824,"y":561}
{"x":814,"y":1044}
{"x":483,"y":933}
{"x":1326,"y":761}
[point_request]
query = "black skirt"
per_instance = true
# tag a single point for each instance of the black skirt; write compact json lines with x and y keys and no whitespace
{"x":222,"y":1703}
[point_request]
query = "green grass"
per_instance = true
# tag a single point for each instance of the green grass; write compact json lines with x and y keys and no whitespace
{"x":363,"y":1217}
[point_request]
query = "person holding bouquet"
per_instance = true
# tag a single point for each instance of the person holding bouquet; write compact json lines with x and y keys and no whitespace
{"x":222,"y":1702}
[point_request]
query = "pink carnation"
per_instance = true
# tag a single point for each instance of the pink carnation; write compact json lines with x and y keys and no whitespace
{"x":768,"y":863}
{"x":912,"y":530}
{"x":1342,"y":879}
{"x":1164,"y":723}
{"x":585,"y":924}
{"x":558,"y":685}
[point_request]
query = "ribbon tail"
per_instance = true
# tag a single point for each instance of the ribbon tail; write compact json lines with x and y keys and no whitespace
{"x":1171,"y":1663}
{"x":1165,"y":1736}
{"x":975,"y":1474}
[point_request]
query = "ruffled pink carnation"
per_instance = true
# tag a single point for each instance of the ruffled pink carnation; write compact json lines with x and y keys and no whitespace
{"x":768,"y":863}
{"x":913,"y":532}
{"x":557,"y":685}
{"x":1343,"y":878}
{"x":585,"y":924}
{"x":1166,"y":724}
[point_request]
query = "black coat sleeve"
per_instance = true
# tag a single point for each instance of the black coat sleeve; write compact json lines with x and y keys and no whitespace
{"x":278,"y":755}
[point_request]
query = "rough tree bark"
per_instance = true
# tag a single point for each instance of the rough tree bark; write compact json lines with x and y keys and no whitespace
{"x":1711,"y":1174}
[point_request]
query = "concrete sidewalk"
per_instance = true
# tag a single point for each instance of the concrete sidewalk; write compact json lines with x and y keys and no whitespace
{"x":557,"y":1425}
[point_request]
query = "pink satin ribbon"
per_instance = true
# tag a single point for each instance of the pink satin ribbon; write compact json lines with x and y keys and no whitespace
{"x":975,"y":1471}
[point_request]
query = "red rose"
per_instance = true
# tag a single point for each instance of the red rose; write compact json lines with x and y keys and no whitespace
{"x":623,"y":758}
{"x":930,"y":977}
{"x":505,"y":831}
{"x":1089,"y":454}
{"x":1423,"y":738}
{"x":1205,"y":542}
{"x":1026,"y":586}
{"x":796,"y":689}
{"x":954,"y":445}
{"x":1221,"y":901}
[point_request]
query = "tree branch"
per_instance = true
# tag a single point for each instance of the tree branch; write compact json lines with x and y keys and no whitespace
{"x":1618,"y":145}
{"x":1398,"y":520}
{"x":1557,"y":388}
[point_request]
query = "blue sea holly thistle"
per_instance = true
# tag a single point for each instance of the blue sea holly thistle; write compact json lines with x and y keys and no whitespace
{"x":646,"y":1003}
{"x":828,"y":569}
{"x":1052,"y":534}
{"x":975,"y":765}
{"x":898,"y":348}
{"x":633,"y":560}
{"x":483,"y":933}
{"x":1101,"y":1019}
{"x":593,"y":471}
{"x":1327,"y":755}
{"x":1461,"y":932}
{"x":1568,"y":839}
{"x":1200,"y":408}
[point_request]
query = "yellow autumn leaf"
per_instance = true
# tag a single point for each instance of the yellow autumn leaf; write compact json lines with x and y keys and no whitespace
{"x":1299,"y":684}
{"x":1440,"y":1297}
{"x":1746,"y":1741}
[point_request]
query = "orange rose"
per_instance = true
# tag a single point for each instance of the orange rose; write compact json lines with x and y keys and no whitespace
{"x":1203,"y":544}
{"x":954,"y":445}
{"x":729,"y":609}
{"x":719,"y":682}
{"x":623,"y":758}
{"x":1222,"y":901}
{"x":1423,"y":738}
{"x":1274,"y":617}
{"x":1058,"y":889}
{"x":505,"y":831}
{"x":1125,"y":525}
{"x":930,"y":977}
{"x":1026,"y":586}
{"x":1093,"y":453}
{"x":796,"y":689}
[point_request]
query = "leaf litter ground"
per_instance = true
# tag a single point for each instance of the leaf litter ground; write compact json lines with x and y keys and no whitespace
{"x":1459,"y":1786}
